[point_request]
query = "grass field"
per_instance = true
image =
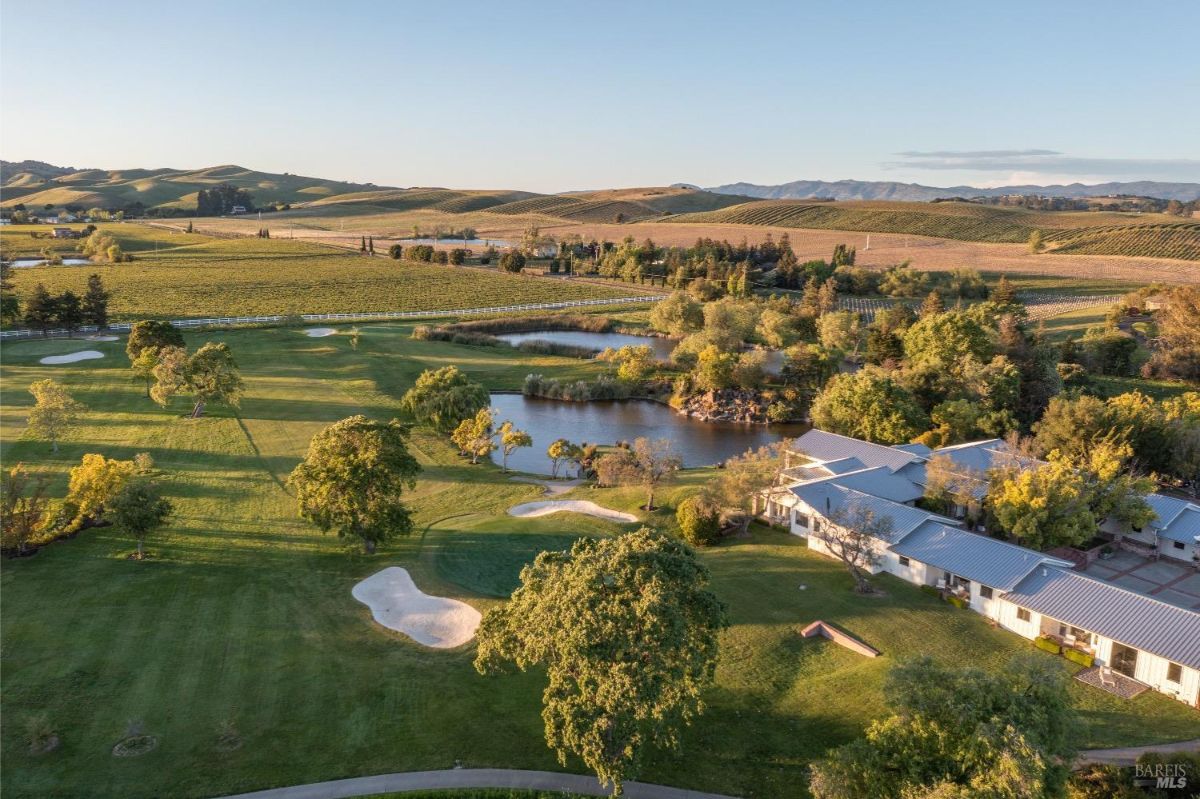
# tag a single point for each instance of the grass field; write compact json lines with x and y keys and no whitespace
{"x":199,"y":276}
{"x":245,"y":612}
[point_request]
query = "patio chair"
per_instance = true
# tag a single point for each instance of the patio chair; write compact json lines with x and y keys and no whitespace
{"x":1069,"y":639}
{"x":1106,"y":677}
{"x":941,"y":584}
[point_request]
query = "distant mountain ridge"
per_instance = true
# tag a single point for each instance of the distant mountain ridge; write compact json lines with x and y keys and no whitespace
{"x":915,"y":192}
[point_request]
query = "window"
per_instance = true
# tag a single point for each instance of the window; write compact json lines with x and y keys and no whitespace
{"x":1178,"y":544}
{"x":985,"y":591}
{"x":1023,"y":614}
{"x":1174,"y":672}
{"x":903,"y":561}
{"x":802,"y":520}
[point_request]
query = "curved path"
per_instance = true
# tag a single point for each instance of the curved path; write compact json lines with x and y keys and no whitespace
{"x":1128,"y":755}
{"x":469,"y":778}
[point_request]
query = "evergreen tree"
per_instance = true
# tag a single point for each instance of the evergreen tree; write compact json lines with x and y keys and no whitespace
{"x":810,"y":303}
{"x":933,"y":305}
{"x":371,"y":245}
{"x":95,"y":303}
{"x":827,"y":296}
{"x":363,"y":247}
{"x":40,"y":309}
{"x":1004,"y":293}
{"x":10,"y":305}
{"x":70,"y":311}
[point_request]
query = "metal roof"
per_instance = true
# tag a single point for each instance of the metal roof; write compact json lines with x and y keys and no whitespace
{"x":842,"y":465}
{"x":1124,"y":616}
{"x":1185,"y":528}
{"x":828,"y":498}
{"x":1166,"y":508}
{"x":976,"y":557}
{"x":879,"y":482}
{"x":1178,"y":519}
{"x":822,"y":446}
{"x":916,"y":449}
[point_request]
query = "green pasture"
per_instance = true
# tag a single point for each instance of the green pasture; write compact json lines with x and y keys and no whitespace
{"x":244,"y":613}
{"x":179,"y":275}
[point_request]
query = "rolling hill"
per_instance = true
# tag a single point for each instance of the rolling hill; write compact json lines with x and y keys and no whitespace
{"x":915,"y":192}
{"x":35,"y":184}
{"x":1079,"y":232}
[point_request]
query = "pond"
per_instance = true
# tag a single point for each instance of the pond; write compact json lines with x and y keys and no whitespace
{"x":598,"y":341}
{"x":697,"y":443}
{"x":25,"y":263}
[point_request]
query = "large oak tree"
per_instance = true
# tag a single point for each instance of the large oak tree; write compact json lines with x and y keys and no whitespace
{"x":353,"y":478}
{"x":626,"y":630}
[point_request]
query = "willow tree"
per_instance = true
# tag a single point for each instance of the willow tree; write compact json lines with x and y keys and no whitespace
{"x":353,"y":478}
{"x":626,"y":630}
{"x":444,"y":397}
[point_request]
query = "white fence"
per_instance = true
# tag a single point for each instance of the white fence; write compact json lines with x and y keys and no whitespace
{"x":1040,"y":306}
{"x":222,"y":321}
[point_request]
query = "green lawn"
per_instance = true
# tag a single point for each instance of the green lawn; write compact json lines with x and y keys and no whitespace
{"x":245,"y":612}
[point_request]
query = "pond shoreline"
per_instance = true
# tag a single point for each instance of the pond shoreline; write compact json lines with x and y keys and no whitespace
{"x":699,"y":442}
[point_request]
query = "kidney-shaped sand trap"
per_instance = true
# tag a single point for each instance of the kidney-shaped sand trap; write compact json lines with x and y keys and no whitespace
{"x":86,"y":355}
{"x":103,"y":338}
{"x":397,"y":603}
{"x":573,"y":505}
{"x":319,"y":332}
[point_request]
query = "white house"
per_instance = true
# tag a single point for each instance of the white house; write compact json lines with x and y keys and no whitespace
{"x":1030,"y":593}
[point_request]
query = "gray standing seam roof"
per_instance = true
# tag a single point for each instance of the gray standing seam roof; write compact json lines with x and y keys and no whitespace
{"x":1178,"y":519}
{"x":976,"y":557}
{"x":1184,"y":528}
{"x":1124,"y":616}
{"x":822,"y":446}
{"x":827,"y":497}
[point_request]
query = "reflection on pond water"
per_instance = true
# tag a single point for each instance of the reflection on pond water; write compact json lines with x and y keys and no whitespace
{"x":598,"y":341}
{"x":25,"y":263}
{"x":697,"y":443}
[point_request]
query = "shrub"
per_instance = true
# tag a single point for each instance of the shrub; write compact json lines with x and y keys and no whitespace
{"x":1047,"y":644}
{"x":929,"y":589}
{"x":458,"y":256}
{"x":420,"y":252}
{"x":1079,"y":656}
{"x":958,"y":601}
{"x":535,"y":347}
{"x":699,"y":522}
{"x":512,"y":261}
{"x":396,"y":252}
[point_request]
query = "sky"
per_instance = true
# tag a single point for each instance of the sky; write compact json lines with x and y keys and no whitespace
{"x":566,"y":95}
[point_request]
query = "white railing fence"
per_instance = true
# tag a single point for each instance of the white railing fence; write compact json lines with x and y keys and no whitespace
{"x":221,"y":321}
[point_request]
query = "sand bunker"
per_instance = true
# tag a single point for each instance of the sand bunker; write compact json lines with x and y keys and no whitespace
{"x":397,"y":603}
{"x":529,"y":509}
{"x":86,"y":355}
{"x":319,"y":332}
{"x":103,"y":338}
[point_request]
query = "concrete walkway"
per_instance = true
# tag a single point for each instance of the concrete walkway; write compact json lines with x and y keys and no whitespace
{"x":469,"y":778}
{"x":1128,"y":755}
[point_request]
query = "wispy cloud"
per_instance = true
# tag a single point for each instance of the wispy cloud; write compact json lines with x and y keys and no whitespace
{"x":1049,"y":162}
{"x":974,"y":153}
